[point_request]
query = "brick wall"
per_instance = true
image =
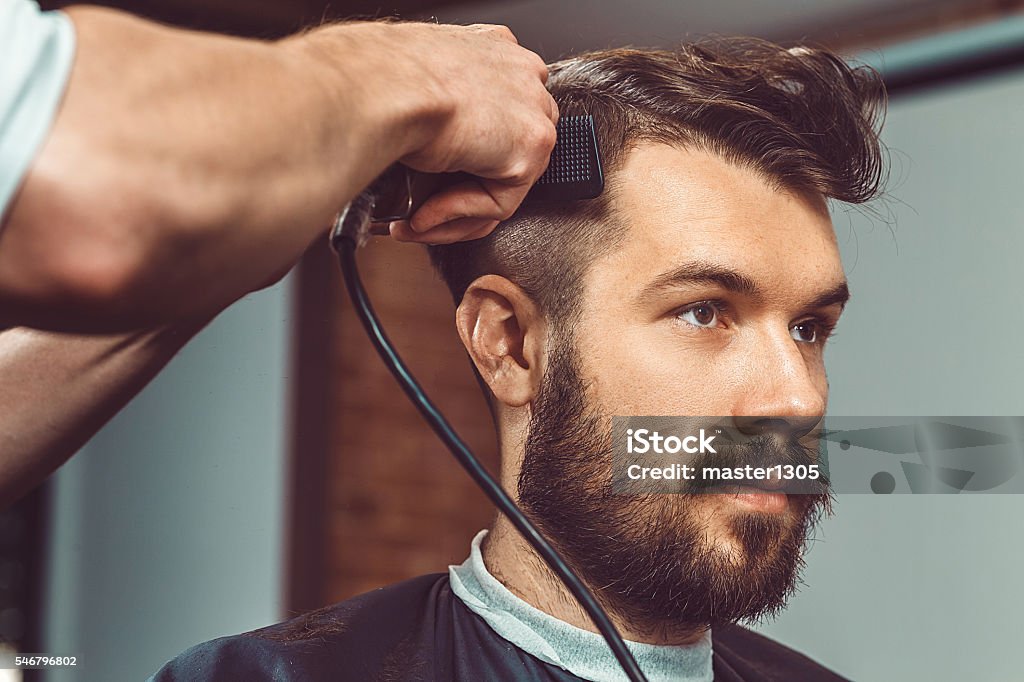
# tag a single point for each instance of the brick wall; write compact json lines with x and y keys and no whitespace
{"x":398,"y":503}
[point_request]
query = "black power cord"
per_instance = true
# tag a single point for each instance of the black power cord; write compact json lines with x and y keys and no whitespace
{"x":345,"y":244}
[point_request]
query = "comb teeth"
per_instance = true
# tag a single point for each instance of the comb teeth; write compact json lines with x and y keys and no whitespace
{"x":574,"y":171}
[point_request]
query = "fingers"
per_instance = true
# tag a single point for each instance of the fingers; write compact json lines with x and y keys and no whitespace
{"x":500,"y":128}
{"x":461,"y":229}
{"x":473,"y":208}
{"x":478,"y":199}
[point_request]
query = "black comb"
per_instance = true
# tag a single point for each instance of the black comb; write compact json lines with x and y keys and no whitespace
{"x":574,"y":171}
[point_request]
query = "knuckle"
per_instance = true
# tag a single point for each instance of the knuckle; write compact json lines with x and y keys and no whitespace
{"x":520,"y":171}
{"x":541,"y":141}
{"x":548,"y":136}
{"x":498,"y":31}
{"x":504,"y":32}
{"x":531,"y":67}
{"x":539,"y":65}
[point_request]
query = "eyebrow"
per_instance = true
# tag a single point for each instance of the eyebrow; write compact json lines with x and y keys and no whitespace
{"x":704,"y":272}
{"x":837,"y":295}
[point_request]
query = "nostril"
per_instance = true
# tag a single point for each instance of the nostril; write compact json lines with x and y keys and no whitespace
{"x":757,"y":426}
{"x":788,"y":428}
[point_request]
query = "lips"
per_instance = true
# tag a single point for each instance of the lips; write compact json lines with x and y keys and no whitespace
{"x":760,"y":500}
{"x":771,"y":501}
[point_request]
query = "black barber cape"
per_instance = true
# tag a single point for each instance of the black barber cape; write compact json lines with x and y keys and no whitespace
{"x":420,"y":631}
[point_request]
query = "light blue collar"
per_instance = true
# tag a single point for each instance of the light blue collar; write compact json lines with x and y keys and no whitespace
{"x":582,"y":653}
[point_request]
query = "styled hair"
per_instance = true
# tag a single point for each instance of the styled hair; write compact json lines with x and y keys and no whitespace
{"x":802,"y":117}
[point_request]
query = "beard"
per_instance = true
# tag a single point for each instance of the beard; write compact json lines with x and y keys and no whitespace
{"x":652,"y":559}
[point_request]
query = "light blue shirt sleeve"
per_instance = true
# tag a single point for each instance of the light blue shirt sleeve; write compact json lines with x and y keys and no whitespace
{"x":36,"y":52}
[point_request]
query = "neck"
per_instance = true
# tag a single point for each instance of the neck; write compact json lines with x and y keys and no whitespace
{"x":514,"y":563}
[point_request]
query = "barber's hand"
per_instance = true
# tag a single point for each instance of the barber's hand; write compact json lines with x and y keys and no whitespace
{"x":497,"y":123}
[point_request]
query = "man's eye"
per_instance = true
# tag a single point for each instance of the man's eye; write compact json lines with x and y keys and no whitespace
{"x":701,"y":315}
{"x":805,"y":332}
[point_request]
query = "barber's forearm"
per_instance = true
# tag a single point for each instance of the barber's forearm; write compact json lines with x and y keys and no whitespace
{"x":176,"y":153}
{"x":58,"y":390}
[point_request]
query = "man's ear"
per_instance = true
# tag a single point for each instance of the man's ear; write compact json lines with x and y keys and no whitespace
{"x":505,"y":333}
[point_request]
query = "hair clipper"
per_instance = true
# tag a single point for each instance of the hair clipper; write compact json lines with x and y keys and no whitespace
{"x":574,"y":173}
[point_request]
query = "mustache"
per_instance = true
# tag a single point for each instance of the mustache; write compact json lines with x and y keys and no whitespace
{"x":790,"y":463}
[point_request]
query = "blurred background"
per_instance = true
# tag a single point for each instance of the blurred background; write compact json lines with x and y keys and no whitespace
{"x":274,"y":467}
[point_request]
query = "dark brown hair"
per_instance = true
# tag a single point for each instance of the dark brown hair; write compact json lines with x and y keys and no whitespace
{"x":802,"y":117}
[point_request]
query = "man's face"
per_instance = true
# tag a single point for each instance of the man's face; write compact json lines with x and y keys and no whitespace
{"x":698,"y":312}
{"x":717,"y":303}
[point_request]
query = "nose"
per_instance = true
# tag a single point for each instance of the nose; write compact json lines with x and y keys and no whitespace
{"x":785,"y":391}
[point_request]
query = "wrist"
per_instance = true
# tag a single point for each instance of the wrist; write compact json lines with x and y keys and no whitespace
{"x":370,"y":70}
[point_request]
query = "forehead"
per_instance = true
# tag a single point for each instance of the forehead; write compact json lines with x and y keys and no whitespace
{"x":683,"y":205}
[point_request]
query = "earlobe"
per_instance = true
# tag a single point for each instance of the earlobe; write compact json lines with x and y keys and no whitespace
{"x":504,"y":333}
